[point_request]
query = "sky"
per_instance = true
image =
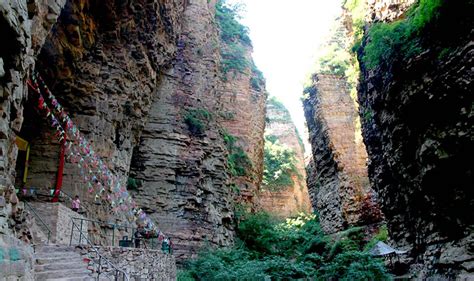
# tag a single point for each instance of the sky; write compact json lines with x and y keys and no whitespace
{"x":285,"y":36}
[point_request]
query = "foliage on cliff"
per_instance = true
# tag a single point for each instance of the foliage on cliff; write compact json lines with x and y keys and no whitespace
{"x":235,"y":38}
{"x":401,"y":39}
{"x":284,"y":114}
{"x":232,"y":30}
{"x":238,"y":161}
{"x":279,"y":164}
{"x":297,"y":248}
{"x":197,"y":120}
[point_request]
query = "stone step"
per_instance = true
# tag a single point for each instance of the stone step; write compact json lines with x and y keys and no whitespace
{"x":46,"y":259}
{"x":71,"y":264}
{"x":72,"y":279}
{"x":64,"y":256}
{"x":64,"y":273}
{"x":54,"y":248}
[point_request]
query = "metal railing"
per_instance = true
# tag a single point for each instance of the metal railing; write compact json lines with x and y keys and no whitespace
{"x":103,"y":263}
{"x":123,"y":234}
{"x":37,"y":216}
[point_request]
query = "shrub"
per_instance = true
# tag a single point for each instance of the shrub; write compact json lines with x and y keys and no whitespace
{"x":382,"y":235}
{"x":258,"y":233}
{"x":271,"y":249}
{"x":279,"y":165}
{"x":354,"y":265}
{"x":334,"y":60}
{"x":284,"y":114}
{"x":228,"y":115}
{"x":231,"y":30}
{"x":257,"y":79}
{"x":197,"y":120}
{"x":132,"y":183}
{"x":235,"y":38}
{"x":233,"y":59}
{"x":400,"y":38}
{"x":238,"y":161}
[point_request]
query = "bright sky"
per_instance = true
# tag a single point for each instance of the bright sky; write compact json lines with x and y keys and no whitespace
{"x":285,"y":36}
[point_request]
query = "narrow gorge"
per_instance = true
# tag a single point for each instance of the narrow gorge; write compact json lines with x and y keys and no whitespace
{"x":140,"y":141}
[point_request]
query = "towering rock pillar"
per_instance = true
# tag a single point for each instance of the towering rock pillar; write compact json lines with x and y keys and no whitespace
{"x":339,"y":184}
{"x":290,"y":196}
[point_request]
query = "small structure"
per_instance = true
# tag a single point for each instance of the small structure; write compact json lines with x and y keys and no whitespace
{"x":382,"y":249}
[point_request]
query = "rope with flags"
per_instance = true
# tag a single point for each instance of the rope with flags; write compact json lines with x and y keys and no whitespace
{"x":100,"y":180}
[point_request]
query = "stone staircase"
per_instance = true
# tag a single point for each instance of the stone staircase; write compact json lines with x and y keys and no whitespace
{"x":60,"y":262}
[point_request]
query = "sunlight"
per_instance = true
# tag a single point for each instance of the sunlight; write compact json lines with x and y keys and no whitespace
{"x":285,"y":36}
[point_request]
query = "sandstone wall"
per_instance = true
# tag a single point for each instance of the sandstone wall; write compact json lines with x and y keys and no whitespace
{"x":16,"y":259}
{"x":129,"y":74}
{"x":183,"y":174}
{"x":104,"y":73}
{"x":419,"y":138}
{"x":23,"y":28}
{"x":241,"y":108}
{"x":341,"y":187}
{"x":288,"y":200}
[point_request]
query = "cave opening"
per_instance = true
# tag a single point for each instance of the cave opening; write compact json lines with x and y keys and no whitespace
{"x":38,"y":155}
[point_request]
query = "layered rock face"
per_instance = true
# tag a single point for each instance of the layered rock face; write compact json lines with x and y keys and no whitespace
{"x":290,"y":199}
{"x":24,"y":28}
{"x":135,"y":77}
{"x":419,"y":137}
{"x":183,"y":171}
{"x":104,"y":73}
{"x":339,"y":183}
{"x":242,"y":113}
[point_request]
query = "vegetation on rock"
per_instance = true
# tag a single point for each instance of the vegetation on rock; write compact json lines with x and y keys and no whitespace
{"x":257,"y":80}
{"x":235,"y":37}
{"x":268,"y":249}
{"x":400,"y":38}
{"x":284,"y":114}
{"x":232,"y":30}
{"x":197,"y":120}
{"x":279,"y":164}
{"x":238,"y":161}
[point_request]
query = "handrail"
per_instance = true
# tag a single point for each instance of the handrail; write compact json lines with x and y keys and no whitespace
{"x":98,"y":254}
{"x":101,"y":222}
{"x":40,"y":219}
{"x":118,"y":227}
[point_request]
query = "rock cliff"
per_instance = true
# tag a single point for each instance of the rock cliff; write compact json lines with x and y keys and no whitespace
{"x":417,"y":125}
{"x":339,"y":183}
{"x":181,"y":157}
{"x":146,"y":83}
{"x":24,"y":29}
{"x":286,"y":198}
{"x":241,"y":107}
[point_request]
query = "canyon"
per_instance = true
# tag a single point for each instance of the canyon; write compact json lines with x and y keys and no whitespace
{"x":169,"y":97}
